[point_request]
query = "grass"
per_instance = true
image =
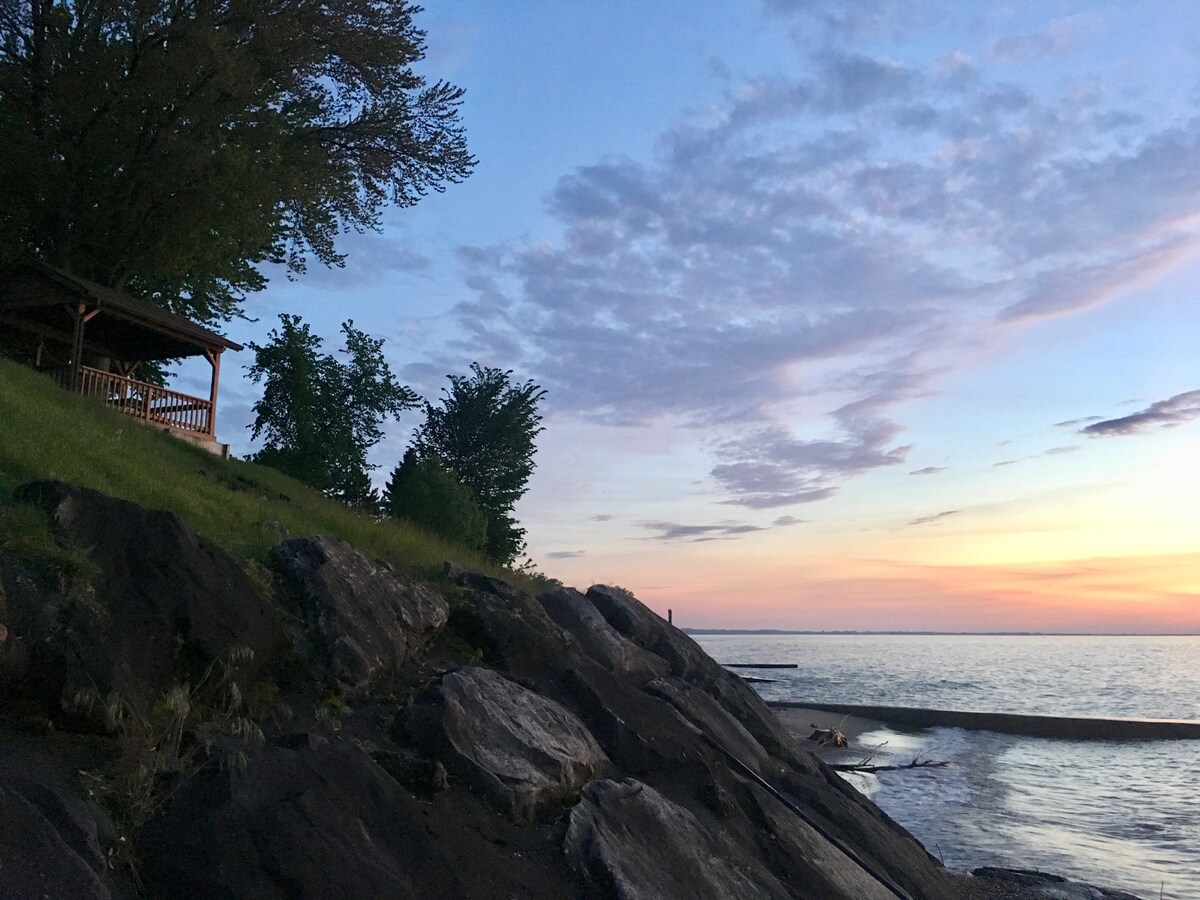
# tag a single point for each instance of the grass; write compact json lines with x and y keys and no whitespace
{"x":47,"y":433}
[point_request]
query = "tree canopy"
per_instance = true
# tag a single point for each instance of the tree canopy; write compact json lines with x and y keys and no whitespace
{"x":169,"y":147}
{"x":319,"y":416}
{"x":483,"y":431}
{"x":425,"y":492}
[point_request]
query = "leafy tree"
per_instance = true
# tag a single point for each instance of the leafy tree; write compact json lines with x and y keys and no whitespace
{"x":319,"y":416}
{"x":484,"y":431}
{"x":425,"y":492}
{"x":170,"y":147}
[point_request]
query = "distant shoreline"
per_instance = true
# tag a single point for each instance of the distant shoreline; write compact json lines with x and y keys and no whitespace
{"x":768,"y":631}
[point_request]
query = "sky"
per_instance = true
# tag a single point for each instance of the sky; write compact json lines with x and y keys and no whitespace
{"x":869,"y":315}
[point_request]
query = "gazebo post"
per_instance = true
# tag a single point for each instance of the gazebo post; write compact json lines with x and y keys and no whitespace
{"x":77,"y":349}
{"x":214,"y":360}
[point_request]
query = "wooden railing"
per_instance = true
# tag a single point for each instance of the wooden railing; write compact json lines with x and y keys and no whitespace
{"x":147,"y":402}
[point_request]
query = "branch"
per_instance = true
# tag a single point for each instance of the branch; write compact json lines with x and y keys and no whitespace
{"x":861,"y":767}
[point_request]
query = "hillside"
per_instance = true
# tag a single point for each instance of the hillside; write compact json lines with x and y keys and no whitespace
{"x":201,"y":697}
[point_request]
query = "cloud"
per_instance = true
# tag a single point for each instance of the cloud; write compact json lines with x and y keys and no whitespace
{"x":858,"y":218}
{"x":1164,"y":414}
{"x":1058,"y":451}
{"x":928,"y":470}
{"x":936,"y":517}
{"x":673,"y":531}
{"x":603,"y":517}
{"x":565,"y":554}
{"x":784,"y":521}
{"x":1072,"y":423}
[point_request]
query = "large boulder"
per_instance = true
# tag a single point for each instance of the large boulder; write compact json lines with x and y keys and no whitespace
{"x":689,"y":662}
{"x":310,"y":818}
{"x":37,"y":857}
{"x":366,"y":620}
{"x":524,"y":751}
{"x":577,"y":614}
{"x":53,"y":838}
{"x":631,"y":843}
{"x":157,"y":603}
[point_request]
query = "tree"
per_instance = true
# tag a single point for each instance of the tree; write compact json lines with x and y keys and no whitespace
{"x":318,"y":415}
{"x":484,"y":433}
{"x":170,"y":147}
{"x":423,"y":491}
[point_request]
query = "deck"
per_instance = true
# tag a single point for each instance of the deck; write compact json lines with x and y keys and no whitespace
{"x":146,"y":402}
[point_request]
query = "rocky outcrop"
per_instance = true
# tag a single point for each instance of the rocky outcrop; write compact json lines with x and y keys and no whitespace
{"x":632,"y":843}
{"x":314,"y":817}
{"x":524,"y":751}
{"x":366,"y":620}
{"x":577,"y":614}
{"x":459,"y":786}
{"x":157,"y":604}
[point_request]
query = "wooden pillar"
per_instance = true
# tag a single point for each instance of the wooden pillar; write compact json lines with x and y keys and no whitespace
{"x":214,"y":360}
{"x":77,"y":348}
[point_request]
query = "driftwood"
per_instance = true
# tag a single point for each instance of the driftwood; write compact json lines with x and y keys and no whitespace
{"x":865,"y":766}
{"x":829,"y":737}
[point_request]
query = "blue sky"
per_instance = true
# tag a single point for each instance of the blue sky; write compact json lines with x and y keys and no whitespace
{"x":824,"y":296}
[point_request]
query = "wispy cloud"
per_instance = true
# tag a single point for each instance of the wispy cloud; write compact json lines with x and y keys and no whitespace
{"x":863,"y":216}
{"x":1164,"y":414}
{"x":674,"y":531}
{"x":784,"y":521}
{"x":928,"y":470}
{"x":602,"y":517}
{"x":565,"y":554}
{"x":936,"y":517}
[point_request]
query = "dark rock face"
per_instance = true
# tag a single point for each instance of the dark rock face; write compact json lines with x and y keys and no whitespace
{"x":577,"y":614}
{"x":368,"y":620}
{"x":526,"y":752}
{"x":311,"y":817}
{"x":160,"y":603}
{"x":691,"y":664}
{"x":29,"y":607}
{"x":632,"y":843}
{"x":48,"y":843}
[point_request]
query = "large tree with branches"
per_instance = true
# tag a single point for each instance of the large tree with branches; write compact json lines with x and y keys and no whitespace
{"x":170,"y":147}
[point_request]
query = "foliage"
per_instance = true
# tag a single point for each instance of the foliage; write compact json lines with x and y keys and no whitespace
{"x":170,"y":147}
{"x":245,"y":508}
{"x":319,"y":416}
{"x":425,"y":493}
{"x":484,"y":433}
{"x":158,"y":747}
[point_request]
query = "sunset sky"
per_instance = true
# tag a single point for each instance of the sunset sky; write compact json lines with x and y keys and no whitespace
{"x":869,"y":315}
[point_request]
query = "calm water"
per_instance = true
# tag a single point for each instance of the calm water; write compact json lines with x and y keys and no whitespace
{"x":1125,"y":815}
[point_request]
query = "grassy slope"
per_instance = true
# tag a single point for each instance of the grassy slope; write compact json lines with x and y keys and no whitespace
{"x":46,"y":433}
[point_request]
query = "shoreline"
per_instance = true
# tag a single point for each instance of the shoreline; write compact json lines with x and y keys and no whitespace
{"x":990,"y":883}
{"x":1072,"y":728}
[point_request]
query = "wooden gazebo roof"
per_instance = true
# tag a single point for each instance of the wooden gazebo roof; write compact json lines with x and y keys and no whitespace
{"x":35,"y":297}
{"x":91,"y":340}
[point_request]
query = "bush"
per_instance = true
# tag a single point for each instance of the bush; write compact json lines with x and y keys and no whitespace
{"x":424,"y":492}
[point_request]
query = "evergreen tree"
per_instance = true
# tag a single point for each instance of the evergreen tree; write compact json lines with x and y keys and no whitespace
{"x":424,"y":492}
{"x":483,"y":431}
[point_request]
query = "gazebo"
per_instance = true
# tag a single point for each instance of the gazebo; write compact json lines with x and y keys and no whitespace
{"x":91,"y":339}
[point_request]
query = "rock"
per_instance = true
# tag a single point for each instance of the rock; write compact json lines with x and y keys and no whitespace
{"x":630,"y":842}
{"x":510,"y":628}
{"x":367,"y":620}
{"x":689,"y":662}
{"x":48,"y":843}
{"x":524,"y":751}
{"x":713,"y":720}
{"x":802,"y":857}
{"x":1052,"y":887}
{"x":310,"y":817}
{"x":599,"y":640}
{"x":159,"y":604}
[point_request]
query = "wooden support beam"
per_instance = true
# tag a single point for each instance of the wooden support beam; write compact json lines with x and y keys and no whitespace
{"x":77,"y":348}
{"x":214,"y":359}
